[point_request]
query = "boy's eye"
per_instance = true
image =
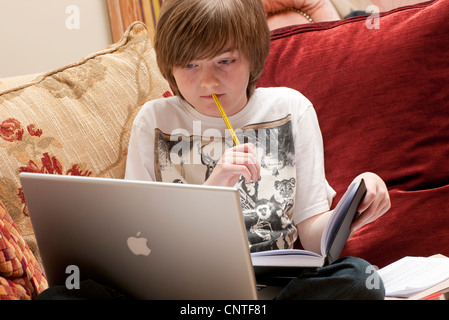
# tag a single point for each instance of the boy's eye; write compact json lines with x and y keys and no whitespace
{"x":190,"y":66}
{"x":226,"y":61}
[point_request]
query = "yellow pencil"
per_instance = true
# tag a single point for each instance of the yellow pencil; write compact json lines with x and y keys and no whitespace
{"x":225,"y":118}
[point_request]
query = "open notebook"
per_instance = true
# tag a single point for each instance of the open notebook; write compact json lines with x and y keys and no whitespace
{"x":334,"y":238}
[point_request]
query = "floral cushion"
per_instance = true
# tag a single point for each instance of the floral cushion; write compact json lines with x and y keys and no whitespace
{"x":76,"y":120}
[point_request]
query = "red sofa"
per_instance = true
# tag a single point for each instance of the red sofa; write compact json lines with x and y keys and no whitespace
{"x":380,"y":86}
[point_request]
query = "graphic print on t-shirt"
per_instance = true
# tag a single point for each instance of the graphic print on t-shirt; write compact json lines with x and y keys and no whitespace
{"x":267,"y":204}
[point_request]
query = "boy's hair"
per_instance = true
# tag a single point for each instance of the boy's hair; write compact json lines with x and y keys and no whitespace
{"x":202,"y":29}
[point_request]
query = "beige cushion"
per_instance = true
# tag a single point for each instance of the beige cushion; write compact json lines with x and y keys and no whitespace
{"x":76,"y":120}
{"x":14,"y":82}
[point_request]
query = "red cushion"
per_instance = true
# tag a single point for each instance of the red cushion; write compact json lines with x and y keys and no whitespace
{"x":416,"y":226}
{"x":382,"y":100}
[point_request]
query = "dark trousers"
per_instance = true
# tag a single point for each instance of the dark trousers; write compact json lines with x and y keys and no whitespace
{"x":349,"y":278}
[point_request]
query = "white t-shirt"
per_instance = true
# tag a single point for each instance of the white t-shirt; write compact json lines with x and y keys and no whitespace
{"x":173,"y":142}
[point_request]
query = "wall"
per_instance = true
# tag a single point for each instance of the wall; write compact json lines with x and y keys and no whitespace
{"x":43,"y":35}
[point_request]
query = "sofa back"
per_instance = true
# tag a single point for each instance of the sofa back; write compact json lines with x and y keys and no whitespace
{"x":379,"y":85}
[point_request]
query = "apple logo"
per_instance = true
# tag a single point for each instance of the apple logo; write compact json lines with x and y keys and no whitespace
{"x":138,"y":245}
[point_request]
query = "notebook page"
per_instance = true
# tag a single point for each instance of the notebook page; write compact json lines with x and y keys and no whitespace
{"x":411,"y":275}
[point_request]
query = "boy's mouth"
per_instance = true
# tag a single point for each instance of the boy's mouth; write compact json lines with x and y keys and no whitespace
{"x":210,"y":97}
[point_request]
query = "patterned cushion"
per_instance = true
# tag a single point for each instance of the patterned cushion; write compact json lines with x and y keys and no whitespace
{"x":21,"y":276}
{"x":76,"y":120}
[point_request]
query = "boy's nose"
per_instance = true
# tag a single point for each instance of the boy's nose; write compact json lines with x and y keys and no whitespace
{"x":208,"y":79}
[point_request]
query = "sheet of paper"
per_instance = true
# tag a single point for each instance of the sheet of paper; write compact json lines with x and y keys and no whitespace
{"x":411,"y":275}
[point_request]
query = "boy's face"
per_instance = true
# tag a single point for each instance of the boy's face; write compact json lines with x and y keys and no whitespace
{"x":226,"y":75}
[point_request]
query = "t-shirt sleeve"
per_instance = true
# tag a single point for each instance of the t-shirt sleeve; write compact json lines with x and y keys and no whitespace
{"x":314,"y":194}
{"x":140,"y":158}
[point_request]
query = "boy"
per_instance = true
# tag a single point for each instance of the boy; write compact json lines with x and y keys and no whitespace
{"x":219,"y":47}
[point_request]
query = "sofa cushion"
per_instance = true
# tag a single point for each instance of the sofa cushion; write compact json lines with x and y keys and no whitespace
{"x":416,"y":226}
{"x":14,"y":82}
{"x":379,"y":85}
{"x":76,"y":120}
{"x":21,"y":277}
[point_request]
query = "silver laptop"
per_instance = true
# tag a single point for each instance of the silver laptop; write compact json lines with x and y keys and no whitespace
{"x":149,"y":240}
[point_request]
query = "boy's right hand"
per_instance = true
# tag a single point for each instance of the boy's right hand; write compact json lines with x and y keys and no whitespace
{"x":235,"y":162}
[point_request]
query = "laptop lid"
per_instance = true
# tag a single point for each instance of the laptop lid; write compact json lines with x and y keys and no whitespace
{"x":151,"y":240}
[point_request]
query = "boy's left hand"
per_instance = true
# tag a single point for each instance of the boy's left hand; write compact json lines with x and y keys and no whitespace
{"x":375,"y":203}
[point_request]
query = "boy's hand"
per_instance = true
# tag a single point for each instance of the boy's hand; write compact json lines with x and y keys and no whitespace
{"x":375,"y":203}
{"x":235,"y":162}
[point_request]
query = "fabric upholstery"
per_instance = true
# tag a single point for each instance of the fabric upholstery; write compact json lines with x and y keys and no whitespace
{"x":76,"y":120}
{"x":21,"y":276}
{"x":383,"y":105}
{"x":14,"y":82}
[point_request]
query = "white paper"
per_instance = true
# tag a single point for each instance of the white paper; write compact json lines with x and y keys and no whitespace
{"x":411,"y":275}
